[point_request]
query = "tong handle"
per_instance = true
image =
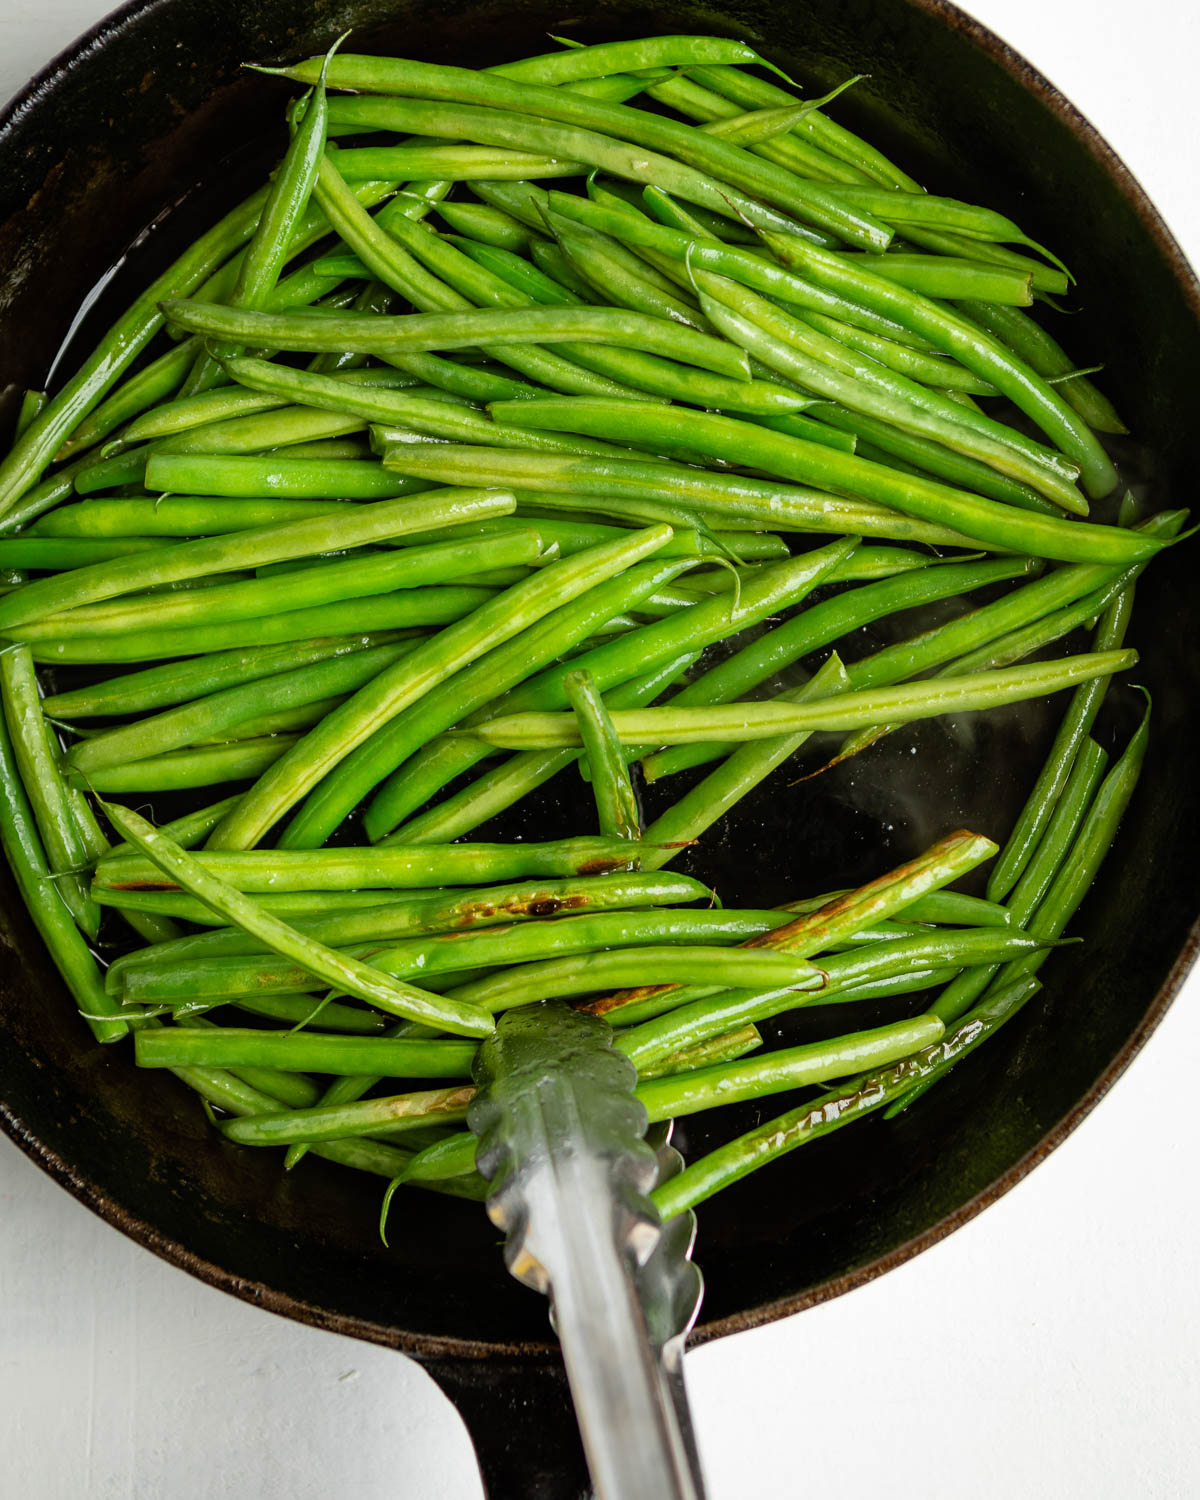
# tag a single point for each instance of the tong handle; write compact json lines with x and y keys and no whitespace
{"x":624,"y":1401}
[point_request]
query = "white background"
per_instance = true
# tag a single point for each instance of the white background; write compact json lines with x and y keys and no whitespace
{"x":1048,"y":1350}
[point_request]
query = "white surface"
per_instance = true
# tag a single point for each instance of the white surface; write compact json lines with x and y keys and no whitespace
{"x":1048,"y":1350}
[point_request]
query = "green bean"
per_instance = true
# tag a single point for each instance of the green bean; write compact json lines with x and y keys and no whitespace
{"x":283,"y":721}
{"x":425,"y":331}
{"x":176,"y":516}
{"x":1072,"y":733}
{"x":885,"y":444}
{"x":175,"y":978}
{"x":195,"y":559}
{"x":617,"y":808}
{"x":756,"y":126}
{"x":190,"y":723}
{"x":818,"y":626}
{"x":982,"y":626}
{"x":37,"y":765}
{"x":287,"y":199}
{"x":374,"y":297}
{"x":44,"y":553}
{"x":611,"y":137}
{"x":439,"y":418}
{"x":580,"y":976}
{"x":490,"y":226}
{"x":721,"y":498}
{"x":433,"y":663}
{"x":592,"y":255}
{"x":457,"y":163}
{"x":157,"y":382}
{"x":519,"y":273}
{"x":44,"y":902}
{"x":630,"y":57}
{"x":1054,"y":847}
{"x":455,"y":912}
{"x":788,"y":458}
{"x":234,"y":1095}
{"x":616,"y":88}
{"x":858,"y":710}
{"x":407,"y":868}
{"x":187,"y":831}
{"x":827,"y":152}
{"x":302,"y":1052}
{"x":381,"y":615}
{"x":571,"y":536}
{"x":179,"y":770}
{"x":543,"y":641}
{"x":123,"y":470}
{"x":516,"y":778}
{"x":196,"y":411}
{"x":549,"y":259}
{"x":693,"y":220}
{"x":973,"y":348}
{"x":299,"y":1010}
{"x":152,"y":927}
{"x":302,"y":588}
{"x":1043,"y":278}
{"x":31,"y":406}
{"x":942,"y":908}
{"x":709,"y":801}
{"x":469,"y":382}
{"x":720,"y":1049}
{"x":767,"y":1142}
{"x":334,"y":1123}
{"x":822,"y":364}
{"x":276,"y":430}
{"x":41,"y":498}
{"x":788,"y":1068}
{"x":929,"y":369}
{"x":285,"y":904}
{"x":1038,"y":349}
{"x":958,"y":277}
{"x":329,"y":479}
{"x":162,"y":686}
{"x":347,"y":975}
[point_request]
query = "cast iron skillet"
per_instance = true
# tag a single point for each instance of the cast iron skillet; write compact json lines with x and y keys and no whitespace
{"x":114,"y":137}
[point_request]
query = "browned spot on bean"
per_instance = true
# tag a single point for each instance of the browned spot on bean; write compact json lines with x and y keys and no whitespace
{"x":546,"y":907}
{"x":479,"y":912}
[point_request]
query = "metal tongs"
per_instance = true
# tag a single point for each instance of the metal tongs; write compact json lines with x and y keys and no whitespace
{"x":562,"y":1140}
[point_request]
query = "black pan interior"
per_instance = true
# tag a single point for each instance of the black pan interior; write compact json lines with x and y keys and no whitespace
{"x":154,"y":124}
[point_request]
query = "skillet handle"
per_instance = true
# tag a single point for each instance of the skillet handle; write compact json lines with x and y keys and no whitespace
{"x":522,"y":1423}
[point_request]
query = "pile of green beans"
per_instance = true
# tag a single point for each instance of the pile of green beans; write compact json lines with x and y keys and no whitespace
{"x":563,"y":423}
